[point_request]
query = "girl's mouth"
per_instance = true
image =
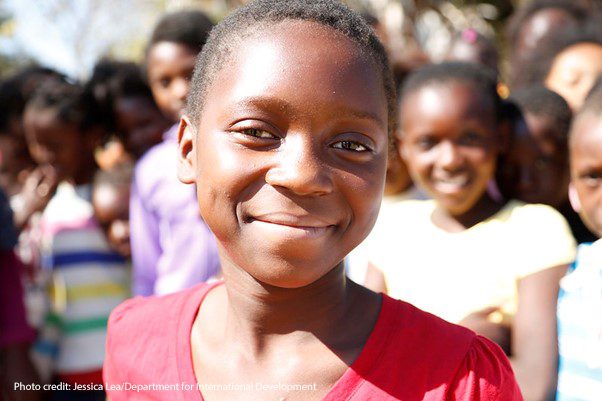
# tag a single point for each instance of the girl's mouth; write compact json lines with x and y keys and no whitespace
{"x":452,"y":184}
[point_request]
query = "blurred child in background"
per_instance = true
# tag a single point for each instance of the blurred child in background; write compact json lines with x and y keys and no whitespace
{"x":536,"y":169}
{"x":119,"y":87}
{"x":172,"y":248}
{"x":87,"y":279}
{"x":465,"y":256}
{"x":110,"y":199}
{"x":531,"y":27}
{"x":580,"y":299}
{"x":569,"y":63}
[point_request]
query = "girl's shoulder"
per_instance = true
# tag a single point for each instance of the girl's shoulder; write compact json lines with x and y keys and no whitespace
{"x":148,"y":329}
{"x":530,"y":213}
{"x":443,"y":357}
{"x":156,"y":312}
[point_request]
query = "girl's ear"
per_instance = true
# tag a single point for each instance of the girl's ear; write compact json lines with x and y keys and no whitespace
{"x":186,"y":160}
{"x":574,"y":198}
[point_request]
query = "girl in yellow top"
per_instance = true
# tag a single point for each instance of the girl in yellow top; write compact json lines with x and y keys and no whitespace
{"x":463,"y":255}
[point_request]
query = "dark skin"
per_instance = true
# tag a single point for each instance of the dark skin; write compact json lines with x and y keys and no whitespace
{"x":291,"y":152}
{"x":61,"y":145}
{"x":111,"y":209}
{"x":535,"y":170}
{"x":450,"y":142}
{"x":140,"y":124}
{"x":586,"y":170}
{"x":170,"y":66}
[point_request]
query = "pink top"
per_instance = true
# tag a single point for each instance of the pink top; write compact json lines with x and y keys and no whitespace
{"x":410,"y":355}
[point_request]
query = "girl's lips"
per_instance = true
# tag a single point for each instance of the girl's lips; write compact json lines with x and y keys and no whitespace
{"x":451,"y":185}
{"x":290,"y":226}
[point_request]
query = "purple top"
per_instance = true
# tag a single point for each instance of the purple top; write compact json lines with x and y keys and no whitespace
{"x":172,"y":247}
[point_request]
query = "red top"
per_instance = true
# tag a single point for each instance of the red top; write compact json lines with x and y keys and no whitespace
{"x":410,"y":355}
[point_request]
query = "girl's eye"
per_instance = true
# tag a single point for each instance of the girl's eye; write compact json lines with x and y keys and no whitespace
{"x":471,"y":138}
{"x":592,"y":178}
{"x":258,"y":133}
{"x":425,"y":142}
{"x":351,"y":146}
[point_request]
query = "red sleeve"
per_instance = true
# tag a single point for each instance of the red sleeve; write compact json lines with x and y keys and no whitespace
{"x":485,"y":374}
{"x":114,"y":375}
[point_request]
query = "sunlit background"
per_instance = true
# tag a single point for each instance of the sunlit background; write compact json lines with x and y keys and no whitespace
{"x":71,"y":35}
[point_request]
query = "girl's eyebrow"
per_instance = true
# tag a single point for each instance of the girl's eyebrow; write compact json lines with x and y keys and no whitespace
{"x":343,"y":111}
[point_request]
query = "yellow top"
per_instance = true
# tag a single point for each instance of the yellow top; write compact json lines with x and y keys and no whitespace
{"x":454,"y":274}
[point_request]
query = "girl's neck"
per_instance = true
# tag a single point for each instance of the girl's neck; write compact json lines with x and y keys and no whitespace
{"x":481,"y":211}
{"x":256,"y":313}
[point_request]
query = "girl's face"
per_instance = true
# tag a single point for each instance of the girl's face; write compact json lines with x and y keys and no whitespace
{"x":170,"y":67}
{"x":586,"y":169}
{"x":574,"y":72}
{"x":111,"y":209}
{"x":289,"y":155}
{"x":55,"y":143}
{"x":535,"y":169}
{"x":450,"y":143}
{"x":141,"y":124}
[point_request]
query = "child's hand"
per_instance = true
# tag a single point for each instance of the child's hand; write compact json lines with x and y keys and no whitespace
{"x":37,"y":192}
{"x":481,"y":323}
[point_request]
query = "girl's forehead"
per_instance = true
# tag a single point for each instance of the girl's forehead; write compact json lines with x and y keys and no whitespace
{"x":297,"y":61}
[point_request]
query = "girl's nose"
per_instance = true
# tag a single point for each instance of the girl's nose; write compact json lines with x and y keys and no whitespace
{"x":299,"y":168}
{"x":449,"y":156}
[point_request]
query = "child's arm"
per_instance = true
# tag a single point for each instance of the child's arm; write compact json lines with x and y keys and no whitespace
{"x":534,"y":337}
{"x":480,"y":323}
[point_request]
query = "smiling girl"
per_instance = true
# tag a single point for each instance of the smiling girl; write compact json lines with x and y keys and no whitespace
{"x":491,"y":266}
{"x":286,"y":137}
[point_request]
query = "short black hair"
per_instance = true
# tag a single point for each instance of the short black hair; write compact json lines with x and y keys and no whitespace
{"x":260,"y":14}
{"x":112,"y":80}
{"x":17,"y":89}
{"x":481,"y":77}
{"x":538,"y":67}
{"x":539,"y":101}
{"x":577,"y":10}
{"x":72,"y":103}
{"x":188,"y":27}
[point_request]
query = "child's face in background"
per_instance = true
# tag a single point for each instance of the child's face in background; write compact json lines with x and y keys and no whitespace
{"x":111,"y":209}
{"x":538,"y":27}
{"x":57,"y":144}
{"x":450,"y":143}
{"x":140,"y":123}
{"x":170,"y":66}
{"x":290,"y":153}
{"x":586,"y":169}
{"x":535,"y":169}
{"x":574,"y":72}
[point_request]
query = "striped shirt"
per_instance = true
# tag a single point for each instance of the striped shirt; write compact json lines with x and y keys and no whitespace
{"x":580,"y":327}
{"x":87,"y":280}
